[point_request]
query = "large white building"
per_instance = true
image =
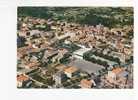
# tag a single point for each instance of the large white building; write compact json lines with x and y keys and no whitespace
{"x":79,"y":53}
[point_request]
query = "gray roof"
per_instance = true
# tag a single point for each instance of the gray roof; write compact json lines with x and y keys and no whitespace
{"x":49,"y":53}
{"x":34,"y":32}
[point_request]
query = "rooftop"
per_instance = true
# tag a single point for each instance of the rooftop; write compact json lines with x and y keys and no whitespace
{"x":22,"y":78}
{"x":117,"y":70}
{"x":70,"y":69}
{"x":32,"y":64}
{"x":81,"y":51}
{"x":49,"y":53}
{"x":86,"y":82}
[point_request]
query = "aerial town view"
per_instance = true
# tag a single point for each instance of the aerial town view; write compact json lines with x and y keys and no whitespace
{"x":75,"y":47}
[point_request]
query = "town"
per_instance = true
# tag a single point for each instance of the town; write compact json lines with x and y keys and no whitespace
{"x":59,"y":54}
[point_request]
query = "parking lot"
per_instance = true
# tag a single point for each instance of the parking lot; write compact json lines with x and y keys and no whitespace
{"x":86,"y":66}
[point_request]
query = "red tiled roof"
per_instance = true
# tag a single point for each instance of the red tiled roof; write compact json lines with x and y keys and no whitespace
{"x":22,"y":78}
{"x":117,"y":70}
{"x":86,"y":83}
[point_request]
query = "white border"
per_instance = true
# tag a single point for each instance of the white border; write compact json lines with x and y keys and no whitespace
{"x":8,"y":56}
{"x":66,"y":2}
{"x":76,"y":3}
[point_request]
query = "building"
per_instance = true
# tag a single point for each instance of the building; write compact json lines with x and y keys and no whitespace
{"x":22,"y":80}
{"x":113,"y":74}
{"x":59,"y":77}
{"x":49,"y":55}
{"x":22,"y":33}
{"x":31,"y":65}
{"x":34,"y":32}
{"x":63,"y":37}
{"x":71,"y":71}
{"x":62,"y":52}
{"x":60,"y":67}
{"x":87,"y":83}
{"x":79,"y":53}
{"x":121,"y":56}
{"x":117,"y":76}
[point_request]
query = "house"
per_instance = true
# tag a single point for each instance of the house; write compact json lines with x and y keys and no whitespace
{"x":22,"y":80}
{"x":87,"y":83}
{"x":49,"y":54}
{"x":59,"y":77}
{"x":60,"y":67}
{"x":113,"y":74}
{"x":22,"y":33}
{"x":32,"y":65}
{"x":117,"y":75}
{"x":71,"y":71}
{"x":35,"y":33}
{"x":62,"y":52}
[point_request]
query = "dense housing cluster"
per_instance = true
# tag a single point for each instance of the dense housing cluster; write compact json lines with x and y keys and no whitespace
{"x":60,"y":54}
